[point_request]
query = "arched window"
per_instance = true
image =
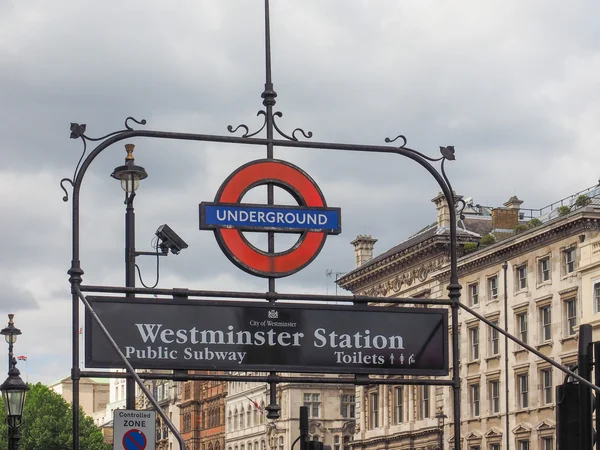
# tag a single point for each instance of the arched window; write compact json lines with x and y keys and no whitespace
{"x":217,"y":416}
{"x":210,"y":447}
{"x":280,"y":442}
{"x":249,"y":416}
{"x":235,"y":419}
{"x":229,"y":424}
{"x":255,"y":445}
{"x":347,"y":442}
{"x":263,"y":445}
{"x":217,"y":446}
{"x":336,"y":442}
{"x":262,"y":416}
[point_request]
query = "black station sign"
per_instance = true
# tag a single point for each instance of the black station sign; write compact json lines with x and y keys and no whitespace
{"x":224,"y":335}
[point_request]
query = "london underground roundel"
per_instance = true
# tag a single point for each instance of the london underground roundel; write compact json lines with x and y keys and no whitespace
{"x":229,"y":218}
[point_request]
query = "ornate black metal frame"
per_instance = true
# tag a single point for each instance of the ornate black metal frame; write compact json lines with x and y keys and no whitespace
{"x":291,"y":140}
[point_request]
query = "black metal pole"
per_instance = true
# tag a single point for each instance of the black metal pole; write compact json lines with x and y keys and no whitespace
{"x":585,"y":393}
{"x":14,"y":433}
{"x":130,"y":279}
{"x":597,"y":397}
{"x":304,"y":428}
{"x":506,"y":397}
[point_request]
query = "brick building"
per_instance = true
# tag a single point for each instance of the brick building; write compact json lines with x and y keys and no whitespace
{"x":202,"y":414}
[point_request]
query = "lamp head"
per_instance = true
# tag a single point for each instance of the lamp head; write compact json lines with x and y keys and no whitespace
{"x":13,"y":391}
{"x":11,"y":332}
{"x":129,"y":174}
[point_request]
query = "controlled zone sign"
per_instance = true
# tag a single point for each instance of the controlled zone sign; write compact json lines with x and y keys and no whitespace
{"x":228,"y":217}
{"x":134,"y":430}
{"x":252,"y":336}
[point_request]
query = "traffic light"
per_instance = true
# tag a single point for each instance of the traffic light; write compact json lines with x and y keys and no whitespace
{"x":567,"y":417}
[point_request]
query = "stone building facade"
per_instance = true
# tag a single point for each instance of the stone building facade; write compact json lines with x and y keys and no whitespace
{"x":545,"y":273}
{"x":331,"y":415}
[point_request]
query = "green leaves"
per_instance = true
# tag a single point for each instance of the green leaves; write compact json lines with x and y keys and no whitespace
{"x":48,"y":424}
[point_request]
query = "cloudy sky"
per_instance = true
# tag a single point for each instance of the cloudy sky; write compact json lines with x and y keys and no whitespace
{"x":513,"y":85}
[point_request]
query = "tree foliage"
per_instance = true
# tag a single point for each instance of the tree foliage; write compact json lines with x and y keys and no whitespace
{"x":48,"y":424}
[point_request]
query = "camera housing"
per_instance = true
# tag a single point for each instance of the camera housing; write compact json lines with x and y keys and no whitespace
{"x":169,"y":240}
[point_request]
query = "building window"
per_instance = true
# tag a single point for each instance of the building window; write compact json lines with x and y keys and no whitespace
{"x":281,"y":442}
{"x":347,"y":405}
{"x":346,"y":442}
{"x":474,"y":392}
{"x":494,"y":393}
{"x":493,"y":342}
{"x":474,"y":342}
{"x":597,"y":298}
{"x":494,"y":446}
{"x":474,"y":294}
{"x":569,"y":260}
{"x":570,"y":316}
{"x":545,"y":323}
{"x":522,"y":327}
{"x":544,"y":269}
{"x":336,"y":442}
{"x":249,"y":416}
{"x":474,"y":447}
{"x":493,"y":287}
{"x":521,"y":272}
{"x":523,"y":389}
{"x":374,"y":410}
{"x":547,"y":443}
{"x":546,"y":376}
{"x":312,"y":402}
{"x":424,"y":410}
{"x":399,"y":404}
{"x":523,"y":445}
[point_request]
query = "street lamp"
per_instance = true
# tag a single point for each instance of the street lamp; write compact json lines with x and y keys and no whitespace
{"x":130,"y":176}
{"x":441,"y":417}
{"x":13,"y":389}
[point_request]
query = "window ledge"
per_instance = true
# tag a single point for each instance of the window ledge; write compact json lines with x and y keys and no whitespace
{"x":489,"y":358}
{"x":494,"y":416}
{"x":544,"y":344}
{"x":549,"y":406}
{"x":569,"y":275}
{"x":492,"y":300}
{"x":519,"y":350}
{"x":568,"y":338}
{"x":475,"y":361}
{"x":544,"y":283}
{"x":522,"y":291}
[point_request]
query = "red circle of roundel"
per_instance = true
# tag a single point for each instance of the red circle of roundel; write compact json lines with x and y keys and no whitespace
{"x":301,"y":187}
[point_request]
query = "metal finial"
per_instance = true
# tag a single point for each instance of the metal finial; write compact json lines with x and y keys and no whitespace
{"x":129,"y":149}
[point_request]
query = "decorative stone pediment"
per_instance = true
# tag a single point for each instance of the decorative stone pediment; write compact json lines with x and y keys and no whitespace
{"x":404,"y":280}
{"x":473,"y":436}
{"x":522,"y":429}
{"x":315,"y":427}
{"x":493,"y":433}
{"x":545,"y":425}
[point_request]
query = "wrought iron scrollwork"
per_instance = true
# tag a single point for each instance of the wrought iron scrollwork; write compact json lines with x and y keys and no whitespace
{"x":293,"y":137}
{"x":400,"y":136}
{"x":247,"y":134}
{"x":78,"y":132}
{"x":461,"y":209}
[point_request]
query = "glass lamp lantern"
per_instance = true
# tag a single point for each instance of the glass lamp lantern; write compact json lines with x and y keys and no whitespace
{"x":129,"y":174}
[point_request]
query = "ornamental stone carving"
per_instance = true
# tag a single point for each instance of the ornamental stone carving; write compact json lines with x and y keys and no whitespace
{"x":396,"y":284}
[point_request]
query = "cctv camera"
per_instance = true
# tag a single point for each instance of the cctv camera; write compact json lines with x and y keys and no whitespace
{"x":170,"y":240}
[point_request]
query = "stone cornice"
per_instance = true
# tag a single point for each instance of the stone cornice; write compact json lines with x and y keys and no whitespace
{"x":507,"y":249}
{"x":398,"y":437}
{"x":377,"y":270}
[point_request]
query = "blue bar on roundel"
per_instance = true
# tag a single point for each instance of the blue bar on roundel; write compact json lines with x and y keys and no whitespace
{"x":270,"y":218}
